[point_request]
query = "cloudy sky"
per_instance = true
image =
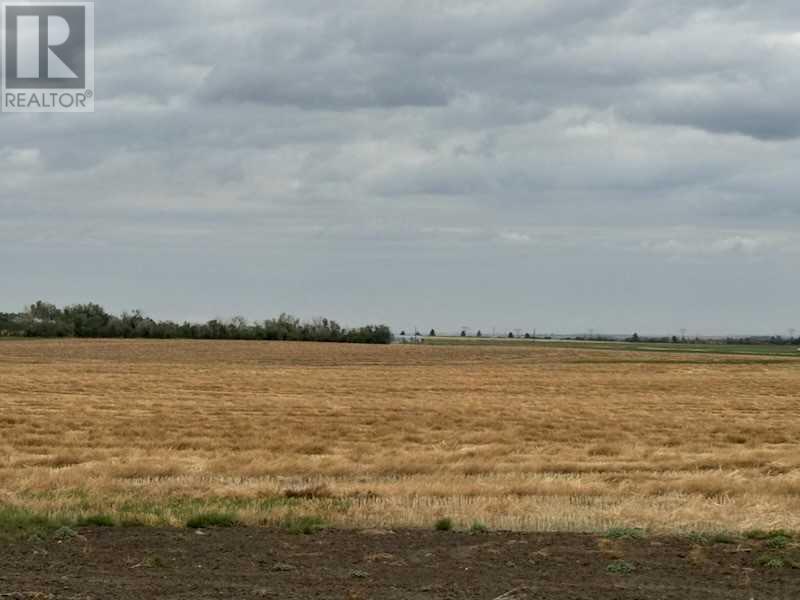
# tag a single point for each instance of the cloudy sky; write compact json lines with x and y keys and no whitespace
{"x":616,"y":165}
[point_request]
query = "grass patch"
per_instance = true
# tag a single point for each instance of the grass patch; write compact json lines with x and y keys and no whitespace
{"x":305,"y":525}
{"x":699,"y":538}
{"x":64,"y":533}
{"x":778,"y":542}
{"x":212,"y":519}
{"x":621,"y":567}
{"x":153,"y":562}
{"x":770,"y":561}
{"x":18,"y":522}
{"x":760,"y":534}
{"x":96,"y":521}
{"x":706,"y":539}
{"x":132,"y":522}
{"x":723,"y":538}
{"x":776,"y":539}
{"x":444,"y":525}
{"x":309,"y":493}
{"x":625,"y":533}
{"x":478,"y":527}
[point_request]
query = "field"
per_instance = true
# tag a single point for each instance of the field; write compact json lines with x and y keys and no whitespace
{"x":516,"y":437}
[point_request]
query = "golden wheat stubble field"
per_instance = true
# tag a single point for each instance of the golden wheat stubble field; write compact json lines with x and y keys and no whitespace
{"x":515,"y":437}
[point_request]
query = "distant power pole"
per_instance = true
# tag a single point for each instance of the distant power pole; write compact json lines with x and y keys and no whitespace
{"x":792,"y":331}
{"x":683,"y":334}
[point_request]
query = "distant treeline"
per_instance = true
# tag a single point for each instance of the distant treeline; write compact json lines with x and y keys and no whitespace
{"x":774,"y":340}
{"x":45,"y":320}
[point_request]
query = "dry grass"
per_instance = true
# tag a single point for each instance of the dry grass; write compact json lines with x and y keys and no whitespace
{"x":517,"y":437}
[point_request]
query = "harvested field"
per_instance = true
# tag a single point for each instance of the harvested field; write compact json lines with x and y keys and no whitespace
{"x":517,"y":437}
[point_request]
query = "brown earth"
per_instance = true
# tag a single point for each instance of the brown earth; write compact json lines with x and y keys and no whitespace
{"x":405,"y":565}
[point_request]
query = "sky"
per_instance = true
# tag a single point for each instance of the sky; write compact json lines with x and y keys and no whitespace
{"x":614,"y":165}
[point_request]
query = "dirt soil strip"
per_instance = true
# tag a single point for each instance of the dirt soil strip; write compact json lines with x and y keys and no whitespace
{"x":108,"y":564}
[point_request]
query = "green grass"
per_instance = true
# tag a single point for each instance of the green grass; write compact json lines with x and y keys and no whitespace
{"x":304,"y":525}
{"x":775,"y":534}
{"x":153,"y":562}
{"x":625,"y":533}
{"x":620,"y":567}
{"x":16,"y":522}
{"x":723,"y":538}
{"x":96,"y":521}
{"x":444,"y":525}
{"x":708,"y":539}
{"x":478,"y":527}
{"x":212,"y":519}
{"x":778,"y":542}
{"x":770,"y":561}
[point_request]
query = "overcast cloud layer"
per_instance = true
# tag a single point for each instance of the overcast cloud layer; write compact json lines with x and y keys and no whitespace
{"x":619,"y":165}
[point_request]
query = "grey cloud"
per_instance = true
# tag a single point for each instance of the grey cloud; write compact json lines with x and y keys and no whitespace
{"x":648,"y":144}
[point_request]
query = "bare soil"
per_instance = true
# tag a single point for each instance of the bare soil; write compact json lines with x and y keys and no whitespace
{"x":240,"y":563}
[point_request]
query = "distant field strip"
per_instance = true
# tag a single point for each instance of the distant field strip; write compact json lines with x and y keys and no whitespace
{"x":523,"y":436}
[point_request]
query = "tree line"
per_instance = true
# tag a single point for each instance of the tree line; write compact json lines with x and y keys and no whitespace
{"x":46,"y":320}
